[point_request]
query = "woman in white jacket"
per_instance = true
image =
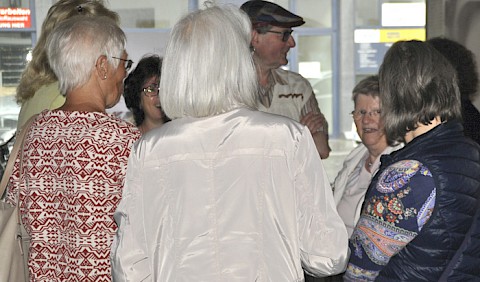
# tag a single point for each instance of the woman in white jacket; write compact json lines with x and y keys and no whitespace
{"x":360,"y":165}
{"x":223,"y":192}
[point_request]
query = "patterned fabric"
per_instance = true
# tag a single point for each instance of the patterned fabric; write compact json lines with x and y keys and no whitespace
{"x":394,"y":212}
{"x":74,"y":165}
{"x":350,"y":187}
{"x":454,"y":162}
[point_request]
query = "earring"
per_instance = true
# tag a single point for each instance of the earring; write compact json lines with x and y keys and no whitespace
{"x":105,"y":77}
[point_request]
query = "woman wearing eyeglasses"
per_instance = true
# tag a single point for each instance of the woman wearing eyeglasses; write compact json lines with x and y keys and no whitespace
{"x":360,"y":165}
{"x":74,"y":161}
{"x":141,"y":94}
{"x":38,"y":88}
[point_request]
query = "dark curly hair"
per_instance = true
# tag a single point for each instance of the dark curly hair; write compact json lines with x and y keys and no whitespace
{"x":146,"y":68}
{"x":463,"y":60}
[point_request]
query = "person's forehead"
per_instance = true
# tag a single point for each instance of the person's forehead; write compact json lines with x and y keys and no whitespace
{"x":274,"y":27}
{"x":362,"y":98}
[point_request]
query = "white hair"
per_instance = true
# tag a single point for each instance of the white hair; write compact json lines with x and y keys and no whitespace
{"x":208,"y":68}
{"x":76,"y":44}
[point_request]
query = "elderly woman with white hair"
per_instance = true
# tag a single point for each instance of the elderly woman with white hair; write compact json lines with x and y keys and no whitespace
{"x":72,"y":173}
{"x":200,"y":201}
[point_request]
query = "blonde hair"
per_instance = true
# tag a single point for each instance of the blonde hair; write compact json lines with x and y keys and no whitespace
{"x":38,"y":71}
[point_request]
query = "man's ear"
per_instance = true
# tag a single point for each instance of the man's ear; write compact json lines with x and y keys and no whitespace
{"x":255,"y":35}
{"x":101,"y":66}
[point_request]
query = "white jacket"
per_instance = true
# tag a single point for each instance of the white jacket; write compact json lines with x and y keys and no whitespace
{"x":358,"y":155}
{"x":241,"y":196}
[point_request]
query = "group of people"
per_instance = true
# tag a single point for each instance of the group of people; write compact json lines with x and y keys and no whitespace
{"x":220,"y":177}
{"x":420,"y":214}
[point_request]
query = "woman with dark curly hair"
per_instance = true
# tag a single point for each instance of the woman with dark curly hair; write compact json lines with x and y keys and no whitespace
{"x":141,"y":94}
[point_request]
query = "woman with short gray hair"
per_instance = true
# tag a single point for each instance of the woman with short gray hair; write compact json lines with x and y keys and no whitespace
{"x":38,"y":86}
{"x":74,"y":157}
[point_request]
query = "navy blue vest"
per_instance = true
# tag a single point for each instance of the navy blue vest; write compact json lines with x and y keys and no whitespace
{"x":449,"y":243}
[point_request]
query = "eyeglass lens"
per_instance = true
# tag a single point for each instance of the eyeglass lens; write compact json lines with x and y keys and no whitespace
{"x":127,"y":63}
{"x":151,"y":90}
{"x":285,"y":34}
{"x":362,"y":113}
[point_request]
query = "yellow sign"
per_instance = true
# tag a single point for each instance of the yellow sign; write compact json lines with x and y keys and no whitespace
{"x":394,"y":35}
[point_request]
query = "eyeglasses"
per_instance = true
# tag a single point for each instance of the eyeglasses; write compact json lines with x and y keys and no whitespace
{"x":151,"y":90}
{"x":357,"y":115}
{"x":128,"y":63}
{"x":285,"y":34}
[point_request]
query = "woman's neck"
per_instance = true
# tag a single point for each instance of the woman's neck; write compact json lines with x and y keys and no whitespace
{"x":84,"y":106}
{"x":421,"y":129}
{"x":148,"y":125}
{"x":370,"y":160}
{"x":85,"y":99}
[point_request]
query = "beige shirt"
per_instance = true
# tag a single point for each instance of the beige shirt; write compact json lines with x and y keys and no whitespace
{"x":291,"y":95}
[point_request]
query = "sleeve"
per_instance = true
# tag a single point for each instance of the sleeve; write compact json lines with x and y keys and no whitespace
{"x":129,"y":255}
{"x":311,"y":106}
{"x":349,"y":164}
{"x":323,"y":236}
{"x":413,"y":262}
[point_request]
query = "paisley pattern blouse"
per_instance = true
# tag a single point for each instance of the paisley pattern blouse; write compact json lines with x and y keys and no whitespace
{"x":394,"y":211}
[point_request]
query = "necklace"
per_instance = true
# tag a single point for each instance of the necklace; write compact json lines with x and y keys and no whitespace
{"x":369,"y":163}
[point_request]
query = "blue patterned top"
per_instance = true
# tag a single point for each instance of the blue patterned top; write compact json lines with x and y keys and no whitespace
{"x":394,"y":211}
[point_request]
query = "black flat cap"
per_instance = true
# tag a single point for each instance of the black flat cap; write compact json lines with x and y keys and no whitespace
{"x":270,"y":13}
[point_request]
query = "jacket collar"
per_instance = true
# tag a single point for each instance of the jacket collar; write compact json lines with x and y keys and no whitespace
{"x":446,"y":130}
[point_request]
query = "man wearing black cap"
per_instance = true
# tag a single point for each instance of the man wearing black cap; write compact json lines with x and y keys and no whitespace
{"x":280,"y":91}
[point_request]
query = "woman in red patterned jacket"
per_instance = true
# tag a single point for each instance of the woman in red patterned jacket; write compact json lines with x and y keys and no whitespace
{"x":72,"y":173}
